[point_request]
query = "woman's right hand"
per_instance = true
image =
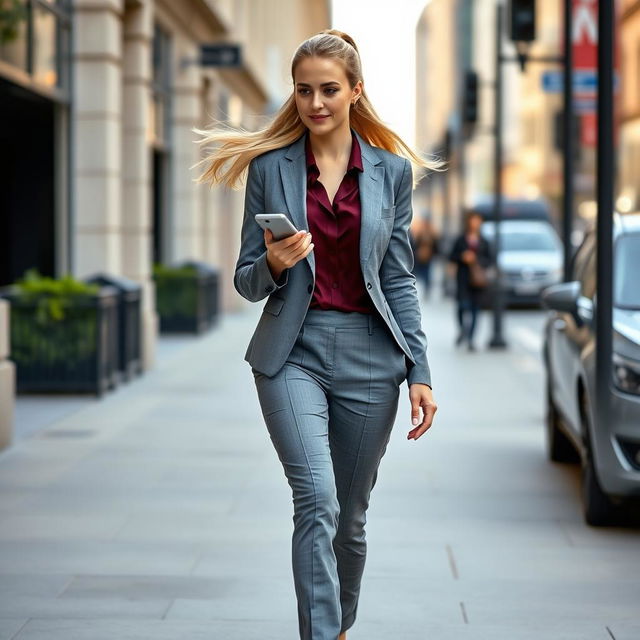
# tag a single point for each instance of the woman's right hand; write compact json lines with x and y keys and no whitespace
{"x":283,"y":254}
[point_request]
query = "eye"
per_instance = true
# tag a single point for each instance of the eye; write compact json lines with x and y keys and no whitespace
{"x":332,"y":90}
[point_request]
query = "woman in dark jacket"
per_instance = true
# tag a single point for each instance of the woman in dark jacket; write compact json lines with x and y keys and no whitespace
{"x":469,"y":247}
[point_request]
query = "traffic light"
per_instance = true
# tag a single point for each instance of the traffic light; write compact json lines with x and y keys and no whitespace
{"x":558,"y":134}
{"x":470,"y":97}
{"x":522,"y":20}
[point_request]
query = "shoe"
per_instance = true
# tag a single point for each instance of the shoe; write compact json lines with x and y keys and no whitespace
{"x":459,"y":339}
{"x":471,"y":347}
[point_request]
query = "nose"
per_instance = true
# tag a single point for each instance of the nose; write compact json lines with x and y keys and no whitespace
{"x":317,"y":102}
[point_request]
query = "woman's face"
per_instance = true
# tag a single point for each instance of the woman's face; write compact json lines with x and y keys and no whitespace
{"x":322,"y":90}
{"x":475,"y":222}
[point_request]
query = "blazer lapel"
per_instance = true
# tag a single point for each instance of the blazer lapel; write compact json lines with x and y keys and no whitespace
{"x":293,"y":172}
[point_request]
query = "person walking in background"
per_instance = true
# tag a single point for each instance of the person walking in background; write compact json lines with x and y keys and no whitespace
{"x":424,"y":242}
{"x":341,"y":328}
{"x":471,"y":254}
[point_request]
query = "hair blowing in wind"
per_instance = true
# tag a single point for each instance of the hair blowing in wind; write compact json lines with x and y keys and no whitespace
{"x":234,"y":147}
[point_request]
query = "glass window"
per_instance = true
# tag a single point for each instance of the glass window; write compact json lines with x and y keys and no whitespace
{"x":13,"y":33}
{"x":588,"y":279}
{"x":527,"y":241}
{"x":45,"y":49}
{"x":161,"y":65}
{"x":582,"y":256}
{"x":626,"y":267}
{"x":34,"y":37}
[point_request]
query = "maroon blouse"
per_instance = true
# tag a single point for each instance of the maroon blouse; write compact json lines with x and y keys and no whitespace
{"x":335,"y":230}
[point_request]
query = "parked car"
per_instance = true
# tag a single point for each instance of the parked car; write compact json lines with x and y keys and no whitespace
{"x":531,"y":259}
{"x":609,"y":453}
{"x":512,"y":208}
{"x":526,"y":275}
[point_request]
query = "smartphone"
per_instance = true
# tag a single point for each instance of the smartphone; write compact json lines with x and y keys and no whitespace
{"x":278,"y":223}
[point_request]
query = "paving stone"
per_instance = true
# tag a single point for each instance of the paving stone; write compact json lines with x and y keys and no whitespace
{"x":162,"y":511}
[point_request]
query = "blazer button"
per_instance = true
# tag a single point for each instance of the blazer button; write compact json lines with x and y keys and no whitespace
{"x":368,"y":285}
{"x":310,"y":288}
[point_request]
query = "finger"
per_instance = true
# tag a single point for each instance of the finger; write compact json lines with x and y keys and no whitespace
{"x":415,"y":413}
{"x":427,"y":421}
{"x":293,"y":239}
{"x":298,"y":251}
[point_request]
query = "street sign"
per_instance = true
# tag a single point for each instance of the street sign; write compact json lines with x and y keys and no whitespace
{"x":220,"y":55}
{"x":585,"y":82}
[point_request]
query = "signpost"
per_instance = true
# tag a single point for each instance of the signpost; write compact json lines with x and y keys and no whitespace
{"x":220,"y":54}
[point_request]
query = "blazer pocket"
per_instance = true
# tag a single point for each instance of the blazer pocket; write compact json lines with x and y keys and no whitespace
{"x":273,"y":305}
{"x":389,"y":212}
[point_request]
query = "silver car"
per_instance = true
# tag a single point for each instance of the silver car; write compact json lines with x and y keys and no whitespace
{"x":531,"y":258}
{"x":609,"y":453}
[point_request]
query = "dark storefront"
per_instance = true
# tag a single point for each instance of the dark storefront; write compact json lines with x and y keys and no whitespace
{"x":34,"y":116}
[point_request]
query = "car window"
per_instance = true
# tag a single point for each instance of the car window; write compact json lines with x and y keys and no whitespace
{"x":581,"y":256}
{"x":626,"y":267}
{"x":528,"y":241}
{"x":588,"y":280}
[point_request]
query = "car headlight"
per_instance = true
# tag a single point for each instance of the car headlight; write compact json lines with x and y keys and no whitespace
{"x":626,"y":374}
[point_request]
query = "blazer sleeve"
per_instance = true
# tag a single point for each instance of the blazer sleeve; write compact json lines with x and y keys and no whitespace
{"x":253,"y":279}
{"x":399,"y":283}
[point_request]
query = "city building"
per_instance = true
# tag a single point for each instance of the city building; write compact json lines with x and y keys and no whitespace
{"x":98,"y":100}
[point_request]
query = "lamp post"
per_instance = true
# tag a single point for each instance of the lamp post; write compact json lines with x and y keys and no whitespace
{"x":604,"y":195}
{"x":522,"y":24}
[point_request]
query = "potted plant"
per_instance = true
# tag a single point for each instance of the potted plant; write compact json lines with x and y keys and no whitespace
{"x":63,"y":334}
{"x":186,"y":296}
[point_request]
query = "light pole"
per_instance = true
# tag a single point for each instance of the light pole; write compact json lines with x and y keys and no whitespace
{"x":568,"y":141}
{"x":525,"y":14}
{"x":497,"y":340}
{"x":604,"y":194}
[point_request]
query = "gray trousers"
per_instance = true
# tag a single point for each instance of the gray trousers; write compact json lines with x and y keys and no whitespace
{"x":329,"y":412}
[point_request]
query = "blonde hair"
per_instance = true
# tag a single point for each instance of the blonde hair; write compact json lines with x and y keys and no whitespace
{"x":240,"y":146}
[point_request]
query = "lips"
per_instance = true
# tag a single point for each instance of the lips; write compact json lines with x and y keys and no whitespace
{"x":318,"y":117}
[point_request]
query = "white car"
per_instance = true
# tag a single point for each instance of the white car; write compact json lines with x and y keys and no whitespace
{"x":531,"y":258}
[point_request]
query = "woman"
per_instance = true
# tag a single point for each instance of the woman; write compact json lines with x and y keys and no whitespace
{"x":469,"y":247}
{"x":341,"y":328}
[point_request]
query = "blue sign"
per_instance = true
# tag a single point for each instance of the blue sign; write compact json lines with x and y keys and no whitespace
{"x":585,"y":81}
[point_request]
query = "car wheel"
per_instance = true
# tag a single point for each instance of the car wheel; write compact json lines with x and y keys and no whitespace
{"x":559,"y":447}
{"x":597,"y":506}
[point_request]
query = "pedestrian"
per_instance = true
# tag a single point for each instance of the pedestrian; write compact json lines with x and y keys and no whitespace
{"x":472,"y":255}
{"x":424,"y":241}
{"x":341,"y":328}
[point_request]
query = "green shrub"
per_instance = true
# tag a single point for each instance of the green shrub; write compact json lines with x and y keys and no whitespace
{"x":47,"y":323}
{"x":52,"y":297}
{"x":176,"y":290}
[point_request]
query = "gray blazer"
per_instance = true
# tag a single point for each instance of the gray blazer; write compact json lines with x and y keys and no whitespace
{"x":277,"y":183}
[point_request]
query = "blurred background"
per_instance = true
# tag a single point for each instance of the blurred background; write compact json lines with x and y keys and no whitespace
{"x":122,"y":336}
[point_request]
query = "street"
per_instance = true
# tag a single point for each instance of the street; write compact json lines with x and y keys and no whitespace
{"x":161,"y":511}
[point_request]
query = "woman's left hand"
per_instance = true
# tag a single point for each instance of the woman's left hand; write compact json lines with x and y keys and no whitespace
{"x":421,"y":396}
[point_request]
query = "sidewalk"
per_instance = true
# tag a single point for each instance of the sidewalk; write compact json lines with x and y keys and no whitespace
{"x":161,"y":512}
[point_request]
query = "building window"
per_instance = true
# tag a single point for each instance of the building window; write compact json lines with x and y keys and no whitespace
{"x":34,"y":37}
{"x":160,"y":142}
{"x":161,"y":88}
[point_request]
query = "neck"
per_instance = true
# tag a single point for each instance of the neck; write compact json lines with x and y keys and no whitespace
{"x":334,"y":146}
